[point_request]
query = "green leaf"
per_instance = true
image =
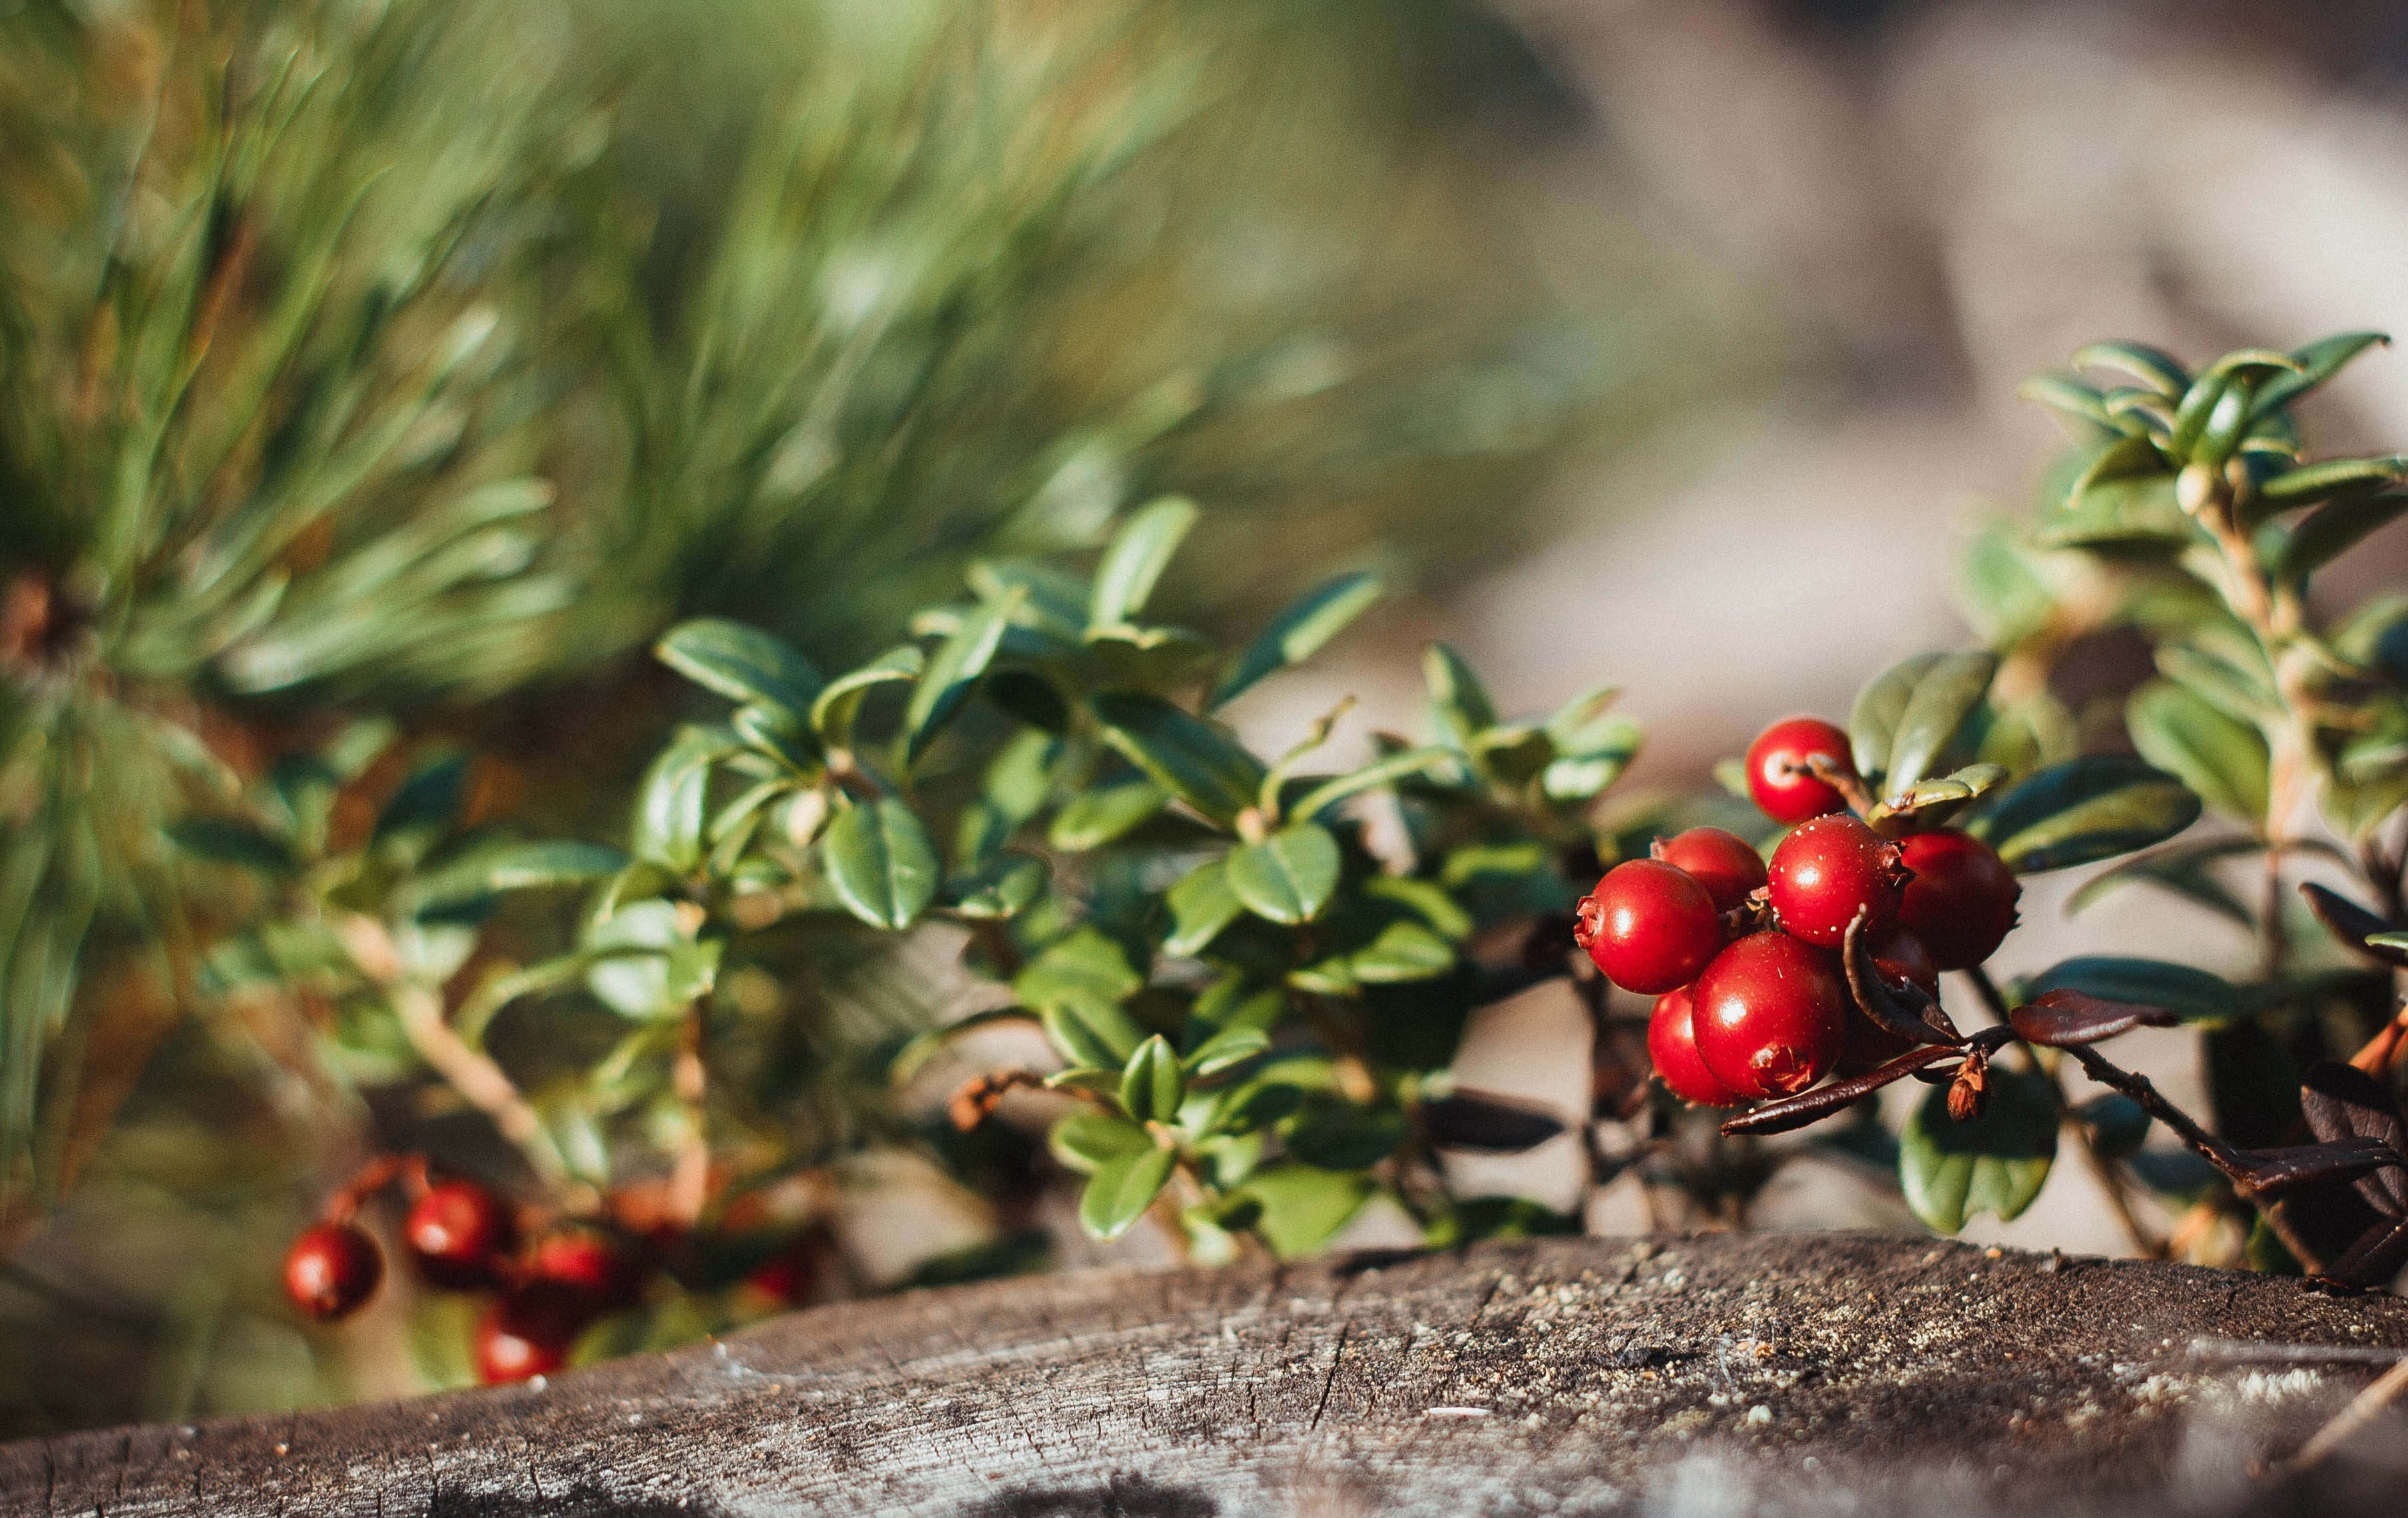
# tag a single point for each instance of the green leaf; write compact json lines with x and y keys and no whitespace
{"x":1461,"y":701}
{"x":881,"y":863}
{"x":2222,"y":761}
{"x":783,"y":737}
{"x":1227,"y":1050}
{"x":1873,"y":723}
{"x":1929,"y":803}
{"x":1297,"y":633}
{"x":1096,"y":817}
{"x":426,"y":804}
{"x":2318,"y":362}
{"x":1334,"y":1134}
{"x":1090,"y":1033}
{"x":2195,"y":995}
{"x":1995,"y":1163}
{"x":839,"y":706}
{"x":949,"y":676}
{"x":669,"y":806}
{"x":1944,"y":696}
{"x":1087,"y":963}
{"x":2182,"y":868}
{"x":1136,"y":558}
{"x":517,"y":866}
{"x":1425,"y":898}
{"x":2153,"y":367}
{"x":741,"y":662}
{"x":1122,"y":1188}
{"x":1303,"y":1208}
{"x":227,"y":840}
{"x":1189,"y":757}
{"x":2135,"y":510}
{"x":2312,"y":483}
{"x":1152,"y":1086}
{"x":1201,"y":905}
{"x":1088,"y":1139}
{"x":2066,"y":393}
{"x":1380,"y":772}
{"x":1403,"y":952}
{"x":913,"y":1057}
{"x":2083,"y":810}
{"x":631,"y":982}
{"x":1289,"y":876}
{"x":1002,"y":887}
{"x":2332,"y":530}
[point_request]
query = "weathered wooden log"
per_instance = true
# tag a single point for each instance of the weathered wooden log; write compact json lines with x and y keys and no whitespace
{"x":1715,"y":1374}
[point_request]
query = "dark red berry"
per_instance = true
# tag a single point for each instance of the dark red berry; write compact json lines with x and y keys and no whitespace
{"x":458,"y":1235}
{"x":1962,"y":899}
{"x":793,"y":1275}
{"x":1721,"y":861}
{"x":1648,"y":926}
{"x":528,"y":1331}
{"x":331,"y":1270}
{"x":1778,"y":776}
{"x":1770,"y":1012}
{"x":1672,"y":1046}
{"x":1828,"y":870}
{"x":601,"y":1268}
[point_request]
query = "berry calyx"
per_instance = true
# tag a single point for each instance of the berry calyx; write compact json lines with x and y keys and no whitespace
{"x":597,"y":1266}
{"x":1779,"y":777}
{"x":1769,"y":1015}
{"x":458,"y":1233}
{"x":1672,"y":1046}
{"x":1721,"y":861}
{"x":1648,"y":927}
{"x":1827,"y":872}
{"x":1961,"y":902}
{"x":331,"y":1270}
{"x":528,"y":1331}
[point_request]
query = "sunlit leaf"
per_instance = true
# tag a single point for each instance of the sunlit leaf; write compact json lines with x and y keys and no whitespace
{"x":881,"y":863}
{"x":1995,"y":1163}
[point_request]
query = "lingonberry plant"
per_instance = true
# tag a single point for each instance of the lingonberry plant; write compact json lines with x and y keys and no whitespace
{"x":1249,"y":991}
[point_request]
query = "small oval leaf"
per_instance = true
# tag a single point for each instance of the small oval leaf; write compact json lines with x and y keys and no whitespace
{"x":1288,"y":877}
{"x":1121,"y":1189}
{"x":881,"y":863}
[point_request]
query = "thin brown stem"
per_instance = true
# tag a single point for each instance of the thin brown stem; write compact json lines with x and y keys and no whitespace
{"x":2144,"y":1242}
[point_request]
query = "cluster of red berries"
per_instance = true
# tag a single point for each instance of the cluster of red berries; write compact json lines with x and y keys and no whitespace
{"x":461,"y":1236}
{"x":1742,"y":957}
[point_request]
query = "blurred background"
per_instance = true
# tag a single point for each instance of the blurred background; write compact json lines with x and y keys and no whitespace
{"x":1673,"y":344}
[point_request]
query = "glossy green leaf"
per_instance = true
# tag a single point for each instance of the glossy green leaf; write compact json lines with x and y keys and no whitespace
{"x":1929,"y":803}
{"x":1227,"y":1050}
{"x":1288,"y":877}
{"x":426,"y":806}
{"x":2136,"y":509}
{"x":1303,"y":1208}
{"x":2318,"y":362}
{"x":517,"y":866}
{"x":1380,"y":772}
{"x":2064,"y":393}
{"x":668,"y":805}
{"x":637,"y":983}
{"x":741,"y":662}
{"x":2332,"y":530}
{"x":1297,"y":633}
{"x":1995,"y":1163}
{"x":1580,"y":776}
{"x":2193,"y":994}
{"x":2153,"y":367}
{"x":1456,"y":694}
{"x":1943,"y":697}
{"x":1335,"y":1134}
{"x":2117,"y":1125}
{"x":2083,"y":810}
{"x":2224,"y":761}
{"x":1232,"y":1001}
{"x":1087,"y":963}
{"x":1088,"y":1139}
{"x":1426,"y":900}
{"x":227,"y":840}
{"x":783,"y":737}
{"x":1403,"y":952}
{"x":1152,"y":1085}
{"x":1136,"y":558}
{"x":1002,"y":887}
{"x":2312,"y":483}
{"x":1091,"y":1034}
{"x":1121,"y":1189}
{"x":915,"y":1055}
{"x":953,"y":673}
{"x":839,"y":706}
{"x":1194,"y":759}
{"x":881,"y":863}
{"x":1201,"y":905}
{"x":1096,"y":816}
{"x":1872,"y":722}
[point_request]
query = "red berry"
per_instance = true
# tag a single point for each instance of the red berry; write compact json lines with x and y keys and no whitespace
{"x":1962,"y":899}
{"x":331,"y":1270}
{"x":598,"y":1267}
{"x":1648,"y":926}
{"x":1778,"y":777}
{"x":1672,"y":1045}
{"x":1769,"y":1015}
{"x":792,"y":1274}
{"x":1721,"y":861}
{"x":458,"y":1233}
{"x":1828,"y":870}
{"x":528,"y":1331}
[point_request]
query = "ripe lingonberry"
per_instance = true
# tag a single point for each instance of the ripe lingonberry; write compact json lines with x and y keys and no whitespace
{"x":1827,"y":872}
{"x":1962,"y":900}
{"x":458,"y":1233}
{"x":528,"y":1331}
{"x":1672,"y":1046}
{"x":1898,"y":956}
{"x":598,"y":1267}
{"x":1648,"y":926}
{"x":1769,"y":1013}
{"x":793,"y":1275}
{"x":331,"y":1270}
{"x":1779,"y":779}
{"x":1721,"y":861}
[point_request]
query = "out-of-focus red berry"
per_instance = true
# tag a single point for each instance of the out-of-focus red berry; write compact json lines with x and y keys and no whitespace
{"x":1961,"y":902}
{"x":459,"y":1234}
{"x":331,"y":1270}
{"x":1672,"y":1046}
{"x":1649,"y":926}
{"x":528,"y":1331}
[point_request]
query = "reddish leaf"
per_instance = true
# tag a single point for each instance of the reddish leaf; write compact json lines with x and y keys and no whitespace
{"x":1807,"y":1106}
{"x":2342,"y":1101}
{"x":2353,"y":924}
{"x":2062,"y":1018}
{"x":2276,"y":1172}
{"x":1903,"y":1008}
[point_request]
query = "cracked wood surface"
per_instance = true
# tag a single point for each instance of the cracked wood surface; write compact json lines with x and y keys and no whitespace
{"x":1716,"y":1374}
